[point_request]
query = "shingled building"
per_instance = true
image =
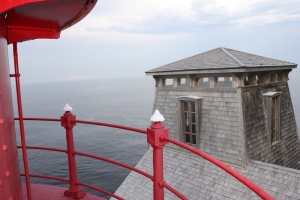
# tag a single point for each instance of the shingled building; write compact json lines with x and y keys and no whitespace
{"x":236,"y":107}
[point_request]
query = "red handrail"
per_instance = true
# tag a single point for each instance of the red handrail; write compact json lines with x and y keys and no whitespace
{"x":260,"y":192}
{"x":170,"y":188}
{"x":90,"y":123}
{"x":115,"y":163}
{"x":157,"y":136}
{"x":113,"y":126}
{"x":44,"y":148}
{"x":48,"y":177}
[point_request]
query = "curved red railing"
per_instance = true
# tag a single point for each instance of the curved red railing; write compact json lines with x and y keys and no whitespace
{"x":260,"y":192}
{"x":157,"y":136}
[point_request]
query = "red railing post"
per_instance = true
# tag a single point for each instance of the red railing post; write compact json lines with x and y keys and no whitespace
{"x":21,"y":122}
{"x":154,"y":137}
{"x":68,"y":120}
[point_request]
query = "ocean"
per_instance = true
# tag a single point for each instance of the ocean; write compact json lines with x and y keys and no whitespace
{"x":126,"y":101}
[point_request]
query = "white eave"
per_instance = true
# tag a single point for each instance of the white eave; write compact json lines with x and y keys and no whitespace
{"x":189,"y":97}
{"x":271,"y":94}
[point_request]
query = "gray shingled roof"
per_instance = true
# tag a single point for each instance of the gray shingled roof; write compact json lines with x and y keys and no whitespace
{"x":198,"y":179}
{"x":221,"y":58}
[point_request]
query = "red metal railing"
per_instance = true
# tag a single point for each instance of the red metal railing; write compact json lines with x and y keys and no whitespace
{"x":157,"y":136}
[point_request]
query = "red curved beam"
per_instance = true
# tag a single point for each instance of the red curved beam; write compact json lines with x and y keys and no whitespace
{"x":90,"y":123}
{"x":40,"y":119}
{"x":260,"y":192}
{"x":112,"y":126}
{"x":116,"y":163}
{"x":174,"y":191}
{"x":45,"y":148}
{"x":47,"y":177}
{"x":95,"y":157}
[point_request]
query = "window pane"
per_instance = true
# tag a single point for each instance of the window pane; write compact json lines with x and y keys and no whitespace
{"x":185,"y":106}
{"x":187,"y":127}
{"x":187,"y":138}
{"x":246,"y":81}
{"x":184,"y":82}
{"x":169,"y":82}
{"x":203,"y":82}
{"x":192,"y":106}
{"x":193,"y":117}
{"x":274,"y":77}
{"x":224,"y":81}
{"x":193,"y":128}
{"x":193,"y":139}
{"x":257,"y":78}
{"x":186,"y":118}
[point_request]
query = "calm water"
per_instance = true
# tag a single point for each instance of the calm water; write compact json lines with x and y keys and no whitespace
{"x":120,"y":101}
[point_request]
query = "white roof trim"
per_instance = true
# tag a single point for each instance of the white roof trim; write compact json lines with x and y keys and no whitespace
{"x":270,"y":94}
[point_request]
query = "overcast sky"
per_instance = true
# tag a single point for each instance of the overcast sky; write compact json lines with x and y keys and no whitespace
{"x":125,"y":38}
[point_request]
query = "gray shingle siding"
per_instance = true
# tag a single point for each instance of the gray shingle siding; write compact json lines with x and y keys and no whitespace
{"x":287,"y":151}
{"x":220,"y":133}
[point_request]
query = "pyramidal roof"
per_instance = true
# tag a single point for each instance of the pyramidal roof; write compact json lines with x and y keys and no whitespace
{"x":222,"y":59}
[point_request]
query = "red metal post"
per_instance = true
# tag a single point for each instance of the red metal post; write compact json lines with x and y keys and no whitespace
{"x":68,"y":120}
{"x":21,"y":122}
{"x":154,"y":137}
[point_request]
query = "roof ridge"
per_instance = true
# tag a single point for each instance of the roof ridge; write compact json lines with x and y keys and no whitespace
{"x":233,"y":57}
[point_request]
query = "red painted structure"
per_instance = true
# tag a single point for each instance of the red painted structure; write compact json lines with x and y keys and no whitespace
{"x":33,"y":19}
{"x":22,"y":20}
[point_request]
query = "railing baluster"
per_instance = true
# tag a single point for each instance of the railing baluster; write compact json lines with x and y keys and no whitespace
{"x":68,"y":120}
{"x":154,"y":135}
{"x":21,"y":122}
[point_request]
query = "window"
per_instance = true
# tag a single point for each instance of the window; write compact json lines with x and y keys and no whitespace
{"x":246,"y":81}
{"x":189,"y":122}
{"x":272,"y":106}
{"x":189,"y":117}
{"x":203,"y":82}
{"x":274,"y":77}
{"x":275,"y":116}
{"x":184,"y":82}
{"x":257,"y":78}
{"x":224,"y":81}
{"x":168,"y":82}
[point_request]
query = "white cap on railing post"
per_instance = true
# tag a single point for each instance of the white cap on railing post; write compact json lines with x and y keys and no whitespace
{"x":157,"y":117}
{"x":67,"y":108}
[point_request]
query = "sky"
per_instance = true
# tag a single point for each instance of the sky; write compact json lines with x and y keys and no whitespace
{"x":125,"y":38}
